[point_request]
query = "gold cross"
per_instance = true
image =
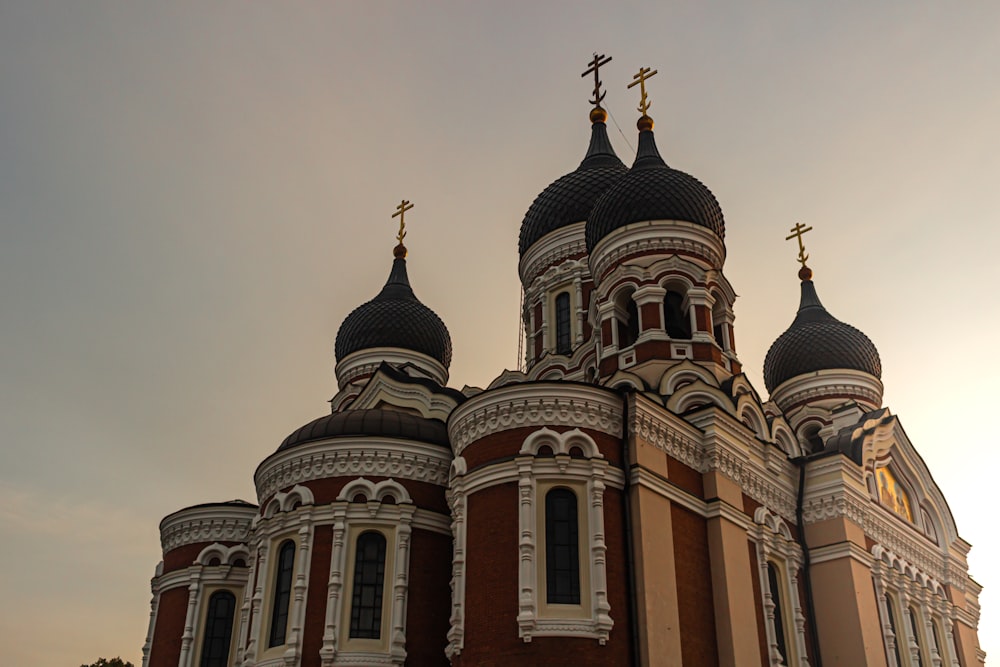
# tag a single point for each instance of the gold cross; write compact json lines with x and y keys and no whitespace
{"x":595,"y":64}
{"x":403,"y":207}
{"x":796,"y":232}
{"x":640,"y":78}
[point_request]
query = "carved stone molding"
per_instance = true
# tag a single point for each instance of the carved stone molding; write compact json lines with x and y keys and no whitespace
{"x":755,"y":481}
{"x":211,"y":523}
{"x":374,"y":457}
{"x":534,"y":404}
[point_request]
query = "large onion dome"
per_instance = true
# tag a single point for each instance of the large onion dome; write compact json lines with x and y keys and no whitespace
{"x":817,"y":341}
{"x":653,"y":191}
{"x":570,"y":199}
{"x":373,"y":422}
{"x":395,"y":318}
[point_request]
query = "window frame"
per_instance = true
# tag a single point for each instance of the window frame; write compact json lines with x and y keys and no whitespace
{"x":278,"y":568}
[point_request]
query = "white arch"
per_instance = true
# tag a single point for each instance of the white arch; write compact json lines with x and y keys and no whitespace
{"x":374,"y":491}
{"x":560,"y":443}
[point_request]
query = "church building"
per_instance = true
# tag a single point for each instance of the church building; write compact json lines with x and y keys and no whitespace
{"x":628,"y":498}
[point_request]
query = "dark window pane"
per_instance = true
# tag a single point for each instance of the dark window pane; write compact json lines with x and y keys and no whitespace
{"x":218,"y":629}
{"x":369,"y":576}
{"x":564,"y":343}
{"x":677,"y":323}
{"x":779,"y":619}
{"x":282,"y":593}
{"x":562,"y":555}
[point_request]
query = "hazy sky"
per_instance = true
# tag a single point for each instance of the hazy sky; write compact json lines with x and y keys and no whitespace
{"x":193,"y":196}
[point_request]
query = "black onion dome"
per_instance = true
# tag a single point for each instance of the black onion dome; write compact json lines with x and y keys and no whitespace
{"x":376,"y":422}
{"x":653,"y":191}
{"x":395,"y":318}
{"x":818,"y":341}
{"x":571,"y":198}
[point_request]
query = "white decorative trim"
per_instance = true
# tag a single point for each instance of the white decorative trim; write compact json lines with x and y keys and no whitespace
{"x":208,"y":523}
{"x":366,"y":362}
{"x":374,"y":492}
{"x":550,"y":250}
{"x":226,"y":555}
{"x":682,"y":441}
{"x":775,"y":545}
{"x":818,"y":385}
{"x":382,"y":457}
{"x":286,"y":501}
{"x":395,"y":522}
{"x":535,"y":404}
{"x":457,"y":502}
{"x":154,"y":605}
{"x":383,"y":389}
{"x":699,"y":244}
{"x":912,"y":591}
{"x":535,"y":618}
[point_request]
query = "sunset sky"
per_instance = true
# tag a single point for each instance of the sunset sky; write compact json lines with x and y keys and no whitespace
{"x":194,"y":195}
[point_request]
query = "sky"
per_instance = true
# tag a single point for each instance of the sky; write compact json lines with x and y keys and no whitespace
{"x":194,"y":195}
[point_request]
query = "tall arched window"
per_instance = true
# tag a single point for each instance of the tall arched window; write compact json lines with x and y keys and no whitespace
{"x":369,"y":577}
{"x":628,"y":331}
{"x":564,"y":339}
{"x":562,"y":550}
{"x":218,"y":629}
{"x":779,"y":619}
{"x":282,"y":593}
{"x":916,"y":637}
{"x":676,"y":321}
{"x":891,"y":612}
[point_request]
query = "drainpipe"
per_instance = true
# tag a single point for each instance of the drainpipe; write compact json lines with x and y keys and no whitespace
{"x":629,"y":552}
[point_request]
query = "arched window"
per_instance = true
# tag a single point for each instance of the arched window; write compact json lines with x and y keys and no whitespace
{"x":218,"y":629}
{"x":562,"y":551}
{"x":628,"y":331}
{"x":916,"y":637}
{"x":369,"y":577}
{"x":282,"y":593}
{"x":564,"y":339}
{"x":891,"y":612}
{"x":779,"y":619}
{"x":676,"y":321}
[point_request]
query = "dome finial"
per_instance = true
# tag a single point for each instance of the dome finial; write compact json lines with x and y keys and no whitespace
{"x":597,"y":114}
{"x":399,"y":252}
{"x":645,"y":122}
{"x":805,"y":273}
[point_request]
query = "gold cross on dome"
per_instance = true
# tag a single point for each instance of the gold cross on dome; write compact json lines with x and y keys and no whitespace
{"x":403,"y":207}
{"x":640,"y":79}
{"x":596,"y":64}
{"x":796,"y":232}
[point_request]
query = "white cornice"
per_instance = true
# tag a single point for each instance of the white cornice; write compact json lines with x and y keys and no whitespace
{"x":818,"y":385}
{"x":207,"y":523}
{"x":551,"y":249}
{"x":535,"y":404}
{"x":664,"y":236}
{"x":347,"y":457}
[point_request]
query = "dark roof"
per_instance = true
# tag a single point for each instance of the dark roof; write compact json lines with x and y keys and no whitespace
{"x":395,"y":318}
{"x":653,"y":191}
{"x":818,"y":341}
{"x":570,"y":199}
{"x":374,"y":422}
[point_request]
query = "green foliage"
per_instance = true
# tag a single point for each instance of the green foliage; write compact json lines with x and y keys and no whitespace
{"x":113,"y":662}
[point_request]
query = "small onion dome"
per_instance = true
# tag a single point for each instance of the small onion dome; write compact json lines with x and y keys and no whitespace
{"x":817,"y":341}
{"x":653,"y":191}
{"x":376,"y":422}
{"x":571,"y":198}
{"x":395,"y":318}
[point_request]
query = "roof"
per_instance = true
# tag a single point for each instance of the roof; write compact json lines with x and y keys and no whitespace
{"x":570,"y":198}
{"x":653,"y":191}
{"x":818,"y":341}
{"x":373,"y":422}
{"x":395,"y":318}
